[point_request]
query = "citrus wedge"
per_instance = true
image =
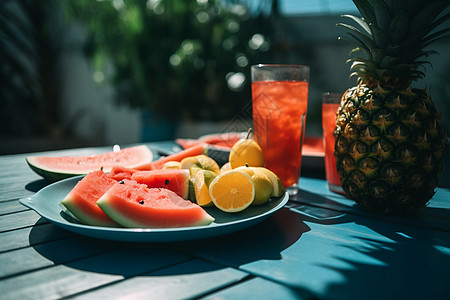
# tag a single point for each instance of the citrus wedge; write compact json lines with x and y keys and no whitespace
{"x":207,"y":163}
{"x":200,"y":162}
{"x":188,"y":162}
{"x":263,"y":188}
{"x":232,"y":191}
{"x":172,"y":165}
{"x":225,"y":167}
{"x":263,"y":185}
{"x":202,"y":181}
{"x":277,"y":185}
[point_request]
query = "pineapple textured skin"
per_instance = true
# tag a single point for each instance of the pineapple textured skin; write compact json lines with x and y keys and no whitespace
{"x":389,"y":148}
{"x":389,"y":137}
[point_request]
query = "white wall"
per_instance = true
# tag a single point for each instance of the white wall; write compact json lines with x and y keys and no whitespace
{"x":91,"y":105}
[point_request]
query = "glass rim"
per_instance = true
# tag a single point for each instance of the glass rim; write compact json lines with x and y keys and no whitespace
{"x":331,"y":97}
{"x":279,"y":65}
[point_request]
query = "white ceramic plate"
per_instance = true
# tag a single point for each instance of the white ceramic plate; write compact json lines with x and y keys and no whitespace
{"x":46,"y":203}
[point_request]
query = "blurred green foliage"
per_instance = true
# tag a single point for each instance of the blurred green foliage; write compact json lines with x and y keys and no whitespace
{"x":181,"y":59}
{"x":29,"y":86}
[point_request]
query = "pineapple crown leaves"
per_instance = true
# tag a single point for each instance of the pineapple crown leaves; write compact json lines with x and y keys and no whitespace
{"x":391,"y":38}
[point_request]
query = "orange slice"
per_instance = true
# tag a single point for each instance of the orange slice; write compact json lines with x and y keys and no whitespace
{"x":232,"y":191}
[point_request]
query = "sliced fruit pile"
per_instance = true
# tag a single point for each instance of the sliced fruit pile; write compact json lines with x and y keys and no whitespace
{"x":132,"y":198}
{"x":239,"y":183}
{"x":175,"y":190}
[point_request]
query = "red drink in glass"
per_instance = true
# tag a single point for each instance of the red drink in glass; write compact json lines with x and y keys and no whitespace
{"x":328,"y":124}
{"x":279,"y":112}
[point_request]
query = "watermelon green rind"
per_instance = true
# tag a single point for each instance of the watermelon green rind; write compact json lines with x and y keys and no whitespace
{"x":128,"y":222}
{"x":219,"y":154}
{"x":81,"y":200}
{"x":57,"y":168}
{"x":162,"y":209}
{"x":47,"y":174}
{"x":191,"y":195}
{"x":67,"y":212}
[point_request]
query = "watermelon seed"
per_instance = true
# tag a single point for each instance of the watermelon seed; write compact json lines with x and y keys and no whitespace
{"x":166,"y":182}
{"x":121,"y":182}
{"x":141,"y":202}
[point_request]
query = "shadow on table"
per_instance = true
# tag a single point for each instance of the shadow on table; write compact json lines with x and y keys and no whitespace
{"x":429,"y":216}
{"x":384,"y":257}
{"x":265,"y":240}
{"x":37,"y":185}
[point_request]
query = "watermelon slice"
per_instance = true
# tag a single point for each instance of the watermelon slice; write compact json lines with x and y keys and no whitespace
{"x":120,"y":173}
{"x":57,"y":168}
{"x":176,"y":180}
{"x":81,"y":200}
{"x":225,"y":139}
{"x":134,"y":205}
{"x":192,"y":151}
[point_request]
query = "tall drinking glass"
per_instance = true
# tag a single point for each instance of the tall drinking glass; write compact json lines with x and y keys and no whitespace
{"x":280,"y":101}
{"x":330,"y":105}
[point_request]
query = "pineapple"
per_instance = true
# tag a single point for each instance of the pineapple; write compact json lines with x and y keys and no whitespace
{"x":389,"y":137}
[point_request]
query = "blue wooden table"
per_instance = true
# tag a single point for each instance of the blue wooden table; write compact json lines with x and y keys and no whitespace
{"x":319,"y":246}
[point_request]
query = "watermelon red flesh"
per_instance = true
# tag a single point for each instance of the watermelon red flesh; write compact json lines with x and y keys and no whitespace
{"x":56,"y":168}
{"x":120,"y":173}
{"x":81,"y":200}
{"x":226,"y":139}
{"x":134,"y":205}
{"x":176,"y":180}
{"x":192,"y":151}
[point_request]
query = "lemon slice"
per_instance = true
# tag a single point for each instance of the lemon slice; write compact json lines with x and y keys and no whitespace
{"x":232,"y":191}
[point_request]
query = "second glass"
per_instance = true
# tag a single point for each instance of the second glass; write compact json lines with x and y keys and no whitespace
{"x":330,"y":105}
{"x":280,"y":101}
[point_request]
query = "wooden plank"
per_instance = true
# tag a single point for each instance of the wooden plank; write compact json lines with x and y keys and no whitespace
{"x":187,"y":280}
{"x":16,"y":178}
{"x":259,"y":288}
{"x":78,"y":276}
{"x":47,"y":254}
{"x":21,"y":238}
{"x":12,"y":206}
{"x":16,"y":188}
{"x":20,"y":220}
{"x":52,"y":283}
